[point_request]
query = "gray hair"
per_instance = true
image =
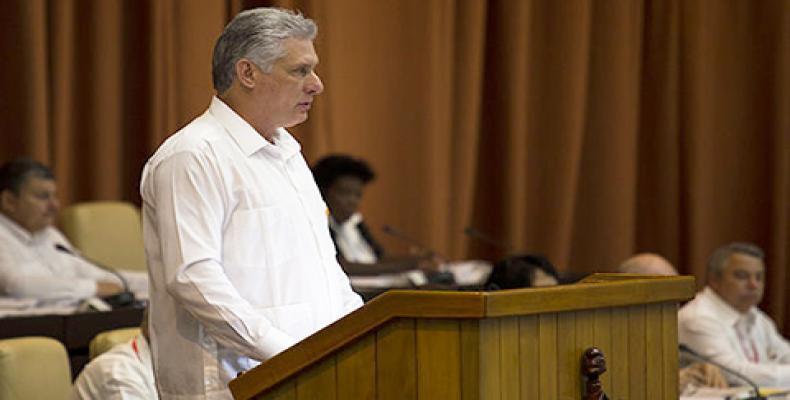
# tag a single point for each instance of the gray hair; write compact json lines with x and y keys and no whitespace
{"x":719,"y":257}
{"x":257,"y":35}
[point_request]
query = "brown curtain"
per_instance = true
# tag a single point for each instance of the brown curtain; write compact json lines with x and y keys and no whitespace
{"x":585,"y":130}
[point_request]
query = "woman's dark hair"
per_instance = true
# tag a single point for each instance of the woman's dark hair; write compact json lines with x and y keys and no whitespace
{"x":518,"y":271}
{"x":13,"y":174}
{"x":328,"y":169}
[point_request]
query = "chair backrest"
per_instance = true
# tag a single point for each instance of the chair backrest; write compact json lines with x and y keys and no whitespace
{"x":109,"y":232}
{"x":33,"y":368}
{"x":106,"y":340}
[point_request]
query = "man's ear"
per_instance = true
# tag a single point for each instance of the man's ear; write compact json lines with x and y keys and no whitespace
{"x":246,"y":72}
{"x":714,"y":280}
{"x":7,"y":201}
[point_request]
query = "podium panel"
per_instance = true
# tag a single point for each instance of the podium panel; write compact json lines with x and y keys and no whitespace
{"x":518,"y":344}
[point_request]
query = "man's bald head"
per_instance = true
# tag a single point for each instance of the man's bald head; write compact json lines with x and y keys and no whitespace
{"x":647,"y":264}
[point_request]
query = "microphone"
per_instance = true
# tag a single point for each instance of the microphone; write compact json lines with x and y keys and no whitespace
{"x":484,"y":237}
{"x":122,"y":299}
{"x":685,"y":349}
{"x":439,"y":277}
{"x":389,"y":230}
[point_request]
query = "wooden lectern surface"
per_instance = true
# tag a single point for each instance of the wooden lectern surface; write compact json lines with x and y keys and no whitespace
{"x":515,"y":344}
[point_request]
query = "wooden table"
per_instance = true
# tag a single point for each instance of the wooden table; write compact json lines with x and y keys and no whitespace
{"x":75,"y":331}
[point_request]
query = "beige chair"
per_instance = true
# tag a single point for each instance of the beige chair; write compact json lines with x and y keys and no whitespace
{"x":34,"y":368}
{"x":109,"y":232}
{"x":107,"y":340}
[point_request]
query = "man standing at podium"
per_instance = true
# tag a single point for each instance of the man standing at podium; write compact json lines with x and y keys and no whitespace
{"x":241,"y":262}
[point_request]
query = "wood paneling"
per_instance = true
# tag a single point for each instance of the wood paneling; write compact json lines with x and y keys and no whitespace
{"x":669,"y":327}
{"x":528,"y":357}
{"x":506,"y":345}
{"x":286,"y":391}
{"x":618,"y":357}
{"x":318,"y":382}
{"x":585,"y":322}
{"x":567,"y":357}
{"x":654,"y":365}
{"x":509,"y":358}
{"x":547,"y":363}
{"x":438,"y":359}
{"x":636,"y":353}
{"x":529,"y":351}
{"x":471,"y":351}
{"x":602,"y":338}
{"x":356,"y":370}
{"x":490,"y":359}
{"x":396,"y":367}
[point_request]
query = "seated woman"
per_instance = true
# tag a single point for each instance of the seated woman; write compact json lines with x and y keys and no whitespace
{"x":342,"y":180}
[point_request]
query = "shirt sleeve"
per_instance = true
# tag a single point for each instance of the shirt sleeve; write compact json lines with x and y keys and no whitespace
{"x":351,"y":300}
{"x":778,"y":347}
{"x":46,"y":287}
{"x":705,"y":335}
{"x":15,"y":282}
{"x":190,"y":208}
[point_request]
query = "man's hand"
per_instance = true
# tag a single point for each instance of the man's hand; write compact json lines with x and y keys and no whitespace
{"x":702,"y":375}
{"x":105,"y":288}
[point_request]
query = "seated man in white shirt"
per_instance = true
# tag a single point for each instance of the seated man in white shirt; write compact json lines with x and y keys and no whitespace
{"x":36,"y":260}
{"x":724,"y":323}
{"x":123,"y":372}
{"x":341,"y":180}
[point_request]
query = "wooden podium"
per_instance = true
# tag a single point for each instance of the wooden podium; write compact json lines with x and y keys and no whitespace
{"x":514,"y":344}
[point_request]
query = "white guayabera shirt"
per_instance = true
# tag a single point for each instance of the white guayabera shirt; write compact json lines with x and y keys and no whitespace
{"x":747,"y":343}
{"x":122,"y":373}
{"x":241,"y":262}
{"x":31,"y":266}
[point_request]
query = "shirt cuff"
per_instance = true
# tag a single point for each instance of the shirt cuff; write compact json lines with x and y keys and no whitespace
{"x":274,"y":342}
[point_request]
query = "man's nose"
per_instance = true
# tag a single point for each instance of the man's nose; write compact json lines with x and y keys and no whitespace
{"x":754,"y":282}
{"x":313,"y":85}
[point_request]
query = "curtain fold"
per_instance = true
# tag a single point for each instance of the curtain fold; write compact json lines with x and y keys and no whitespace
{"x":585,"y":130}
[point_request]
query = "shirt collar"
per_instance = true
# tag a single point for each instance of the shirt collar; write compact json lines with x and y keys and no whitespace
{"x":726,"y":313}
{"x":352,"y":222}
{"x":247,"y":138}
{"x":17,"y":230}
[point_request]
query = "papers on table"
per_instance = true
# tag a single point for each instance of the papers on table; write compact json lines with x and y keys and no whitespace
{"x":733,"y":393}
{"x":468,"y":272}
{"x":11,"y":307}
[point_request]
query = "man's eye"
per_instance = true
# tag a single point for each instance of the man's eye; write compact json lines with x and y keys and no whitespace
{"x":303,"y":71}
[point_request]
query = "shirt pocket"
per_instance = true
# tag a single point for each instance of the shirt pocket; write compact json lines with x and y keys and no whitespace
{"x":296,"y":320}
{"x":258,"y":237}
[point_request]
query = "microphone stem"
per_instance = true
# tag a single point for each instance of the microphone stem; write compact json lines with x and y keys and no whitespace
{"x":113,"y":271}
{"x":742,"y":377}
{"x":404,"y":238}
